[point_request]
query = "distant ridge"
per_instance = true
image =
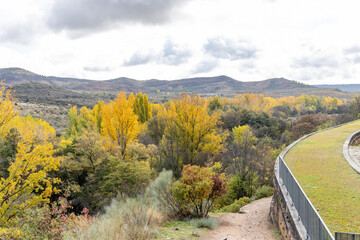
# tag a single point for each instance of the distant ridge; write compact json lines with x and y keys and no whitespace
{"x":342,"y":87}
{"x":200,"y":85}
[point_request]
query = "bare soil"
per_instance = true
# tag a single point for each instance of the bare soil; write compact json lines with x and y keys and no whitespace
{"x":253,"y":224}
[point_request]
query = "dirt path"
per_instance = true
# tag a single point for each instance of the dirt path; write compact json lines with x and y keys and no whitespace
{"x":247,"y":226}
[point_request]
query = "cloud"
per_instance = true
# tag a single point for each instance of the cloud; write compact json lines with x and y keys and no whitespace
{"x":205,"y":66}
{"x":82,"y":15}
{"x":22,"y":33}
{"x":97,"y":69}
{"x":316,"y":61}
{"x":173,"y":54}
{"x":229,"y":49}
{"x":138,"y":59}
{"x":351,"y":50}
{"x":352,"y":54}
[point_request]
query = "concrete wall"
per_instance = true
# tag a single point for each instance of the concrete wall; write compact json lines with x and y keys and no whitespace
{"x":347,"y":156}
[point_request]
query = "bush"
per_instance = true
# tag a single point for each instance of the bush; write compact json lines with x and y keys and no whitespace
{"x":235,"y":207}
{"x":209,"y":223}
{"x":263,"y":192}
{"x":243,"y":185}
{"x":159,"y":191}
{"x":127,"y":218}
{"x":197,"y":189}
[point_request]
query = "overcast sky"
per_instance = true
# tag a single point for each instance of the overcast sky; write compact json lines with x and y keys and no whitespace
{"x":305,"y":40}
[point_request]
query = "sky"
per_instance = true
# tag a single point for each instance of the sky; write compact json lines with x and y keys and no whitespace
{"x":315,"y":42}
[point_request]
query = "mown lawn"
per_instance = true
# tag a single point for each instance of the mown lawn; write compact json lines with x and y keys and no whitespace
{"x":326,"y":177}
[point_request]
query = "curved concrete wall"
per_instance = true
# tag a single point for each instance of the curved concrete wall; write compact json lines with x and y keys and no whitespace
{"x":354,"y":164}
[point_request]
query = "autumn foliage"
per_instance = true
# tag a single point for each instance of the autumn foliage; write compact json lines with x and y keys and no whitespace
{"x":26,"y":183}
{"x":197,"y":190}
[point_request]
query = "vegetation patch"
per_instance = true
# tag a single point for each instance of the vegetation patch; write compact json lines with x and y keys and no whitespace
{"x":179,"y":230}
{"x":209,"y":223}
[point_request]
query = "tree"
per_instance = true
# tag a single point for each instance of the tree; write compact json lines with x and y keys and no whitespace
{"x":8,"y":150}
{"x":197,"y":189}
{"x":27,"y":183}
{"x":242,"y":160}
{"x":192,"y":130}
{"x":142,"y":107}
{"x":245,"y":139}
{"x":127,"y":176}
{"x":119,"y":122}
{"x":215,"y":103}
{"x":7,"y":108}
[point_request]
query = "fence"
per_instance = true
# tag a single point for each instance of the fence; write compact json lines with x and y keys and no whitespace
{"x":314,"y":225}
{"x":346,"y":236}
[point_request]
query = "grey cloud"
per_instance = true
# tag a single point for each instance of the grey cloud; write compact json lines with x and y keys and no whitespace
{"x":205,"y":66}
{"x":352,"y":50}
{"x":352,"y":54}
{"x":229,"y":49}
{"x":22,"y":33}
{"x":173,"y":54}
{"x":138,"y":59}
{"x":97,"y":69}
{"x":356,"y":59}
{"x":247,"y":65}
{"x":315,"y":61}
{"x":82,"y":15}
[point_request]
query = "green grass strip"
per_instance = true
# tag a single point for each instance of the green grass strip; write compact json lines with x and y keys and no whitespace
{"x":331,"y":184}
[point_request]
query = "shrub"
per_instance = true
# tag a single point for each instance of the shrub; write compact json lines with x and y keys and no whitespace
{"x":243,"y":185}
{"x":159,"y":191}
{"x":209,"y":223}
{"x":237,"y":204}
{"x":197,"y":189}
{"x":49,"y":221}
{"x":127,"y":218}
{"x":263,"y":192}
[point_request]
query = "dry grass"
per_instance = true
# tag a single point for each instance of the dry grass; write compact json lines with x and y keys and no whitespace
{"x":326,"y":177}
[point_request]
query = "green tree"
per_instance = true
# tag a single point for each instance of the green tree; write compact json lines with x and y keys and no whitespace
{"x":142,"y":107}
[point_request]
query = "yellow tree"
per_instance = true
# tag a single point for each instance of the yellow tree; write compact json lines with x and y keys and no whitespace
{"x":192,"y":129}
{"x":7,"y":108}
{"x":119,"y":122}
{"x":28,"y":182}
{"x":245,"y":139}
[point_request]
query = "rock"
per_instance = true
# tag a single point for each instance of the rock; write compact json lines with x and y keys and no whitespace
{"x":242,"y":210}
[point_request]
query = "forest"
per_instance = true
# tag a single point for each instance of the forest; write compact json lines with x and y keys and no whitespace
{"x":125,"y":167}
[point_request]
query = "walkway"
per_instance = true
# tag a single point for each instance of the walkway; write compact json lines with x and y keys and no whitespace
{"x":246,"y":226}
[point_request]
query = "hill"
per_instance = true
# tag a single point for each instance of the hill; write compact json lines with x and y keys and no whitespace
{"x":342,"y":87}
{"x":202,"y":85}
{"x":40,"y":93}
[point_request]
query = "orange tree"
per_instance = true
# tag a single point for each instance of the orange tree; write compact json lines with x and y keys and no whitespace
{"x":197,"y":189}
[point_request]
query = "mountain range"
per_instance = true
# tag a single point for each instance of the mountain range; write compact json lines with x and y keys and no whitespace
{"x":218,"y":84}
{"x":23,"y":81}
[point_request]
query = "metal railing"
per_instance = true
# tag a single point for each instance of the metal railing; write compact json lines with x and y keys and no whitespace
{"x":347,"y":236}
{"x":314,"y":225}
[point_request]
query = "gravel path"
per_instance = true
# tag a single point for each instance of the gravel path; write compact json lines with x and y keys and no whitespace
{"x":253,"y":224}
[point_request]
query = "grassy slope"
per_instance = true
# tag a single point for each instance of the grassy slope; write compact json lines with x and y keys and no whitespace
{"x":326,"y":177}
